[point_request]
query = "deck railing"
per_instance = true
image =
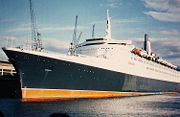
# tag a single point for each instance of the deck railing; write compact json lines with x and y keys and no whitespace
{"x":7,"y":70}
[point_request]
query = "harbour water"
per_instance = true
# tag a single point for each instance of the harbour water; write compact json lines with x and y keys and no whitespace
{"x":153,"y":106}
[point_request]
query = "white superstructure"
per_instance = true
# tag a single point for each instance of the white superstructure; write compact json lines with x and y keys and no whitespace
{"x":125,"y":57}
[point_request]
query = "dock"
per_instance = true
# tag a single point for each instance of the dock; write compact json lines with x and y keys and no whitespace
{"x":10,"y":86}
{"x":6,"y":68}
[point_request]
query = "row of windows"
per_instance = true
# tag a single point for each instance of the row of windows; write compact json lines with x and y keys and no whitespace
{"x":154,"y":64}
{"x":169,"y":71}
{"x":156,"y":70}
{"x":79,"y":69}
{"x":96,"y":49}
{"x":39,"y":59}
{"x":88,"y":44}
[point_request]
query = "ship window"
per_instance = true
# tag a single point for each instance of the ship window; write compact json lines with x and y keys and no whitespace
{"x":113,"y":43}
{"x":119,"y":43}
{"x":94,"y":39}
{"x":93,"y":44}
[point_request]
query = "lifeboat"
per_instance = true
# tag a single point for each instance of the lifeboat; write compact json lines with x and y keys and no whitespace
{"x":136,"y":51}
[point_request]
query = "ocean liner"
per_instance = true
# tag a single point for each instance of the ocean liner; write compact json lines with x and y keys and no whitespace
{"x":98,"y":67}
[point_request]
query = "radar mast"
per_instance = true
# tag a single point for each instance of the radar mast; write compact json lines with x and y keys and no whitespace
{"x":108,"y":29}
{"x":35,"y":35}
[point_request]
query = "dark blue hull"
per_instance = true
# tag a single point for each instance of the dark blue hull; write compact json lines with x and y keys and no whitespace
{"x":47,"y":73}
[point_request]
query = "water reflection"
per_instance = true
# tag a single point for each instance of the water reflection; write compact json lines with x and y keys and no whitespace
{"x":154,"y":105}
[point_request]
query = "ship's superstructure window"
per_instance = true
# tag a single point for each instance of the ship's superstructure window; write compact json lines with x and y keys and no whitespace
{"x":96,"y":39}
{"x":94,"y":44}
{"x":118,"y":44}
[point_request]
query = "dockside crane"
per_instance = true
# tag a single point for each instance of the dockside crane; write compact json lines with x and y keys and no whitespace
{"x":35,"y":35}
{"x":75,"y":41}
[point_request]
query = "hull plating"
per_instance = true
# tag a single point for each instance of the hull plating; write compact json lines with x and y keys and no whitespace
{"x":47,"y":73}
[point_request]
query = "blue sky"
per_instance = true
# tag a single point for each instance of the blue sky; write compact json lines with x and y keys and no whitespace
{"x":130,"y":19}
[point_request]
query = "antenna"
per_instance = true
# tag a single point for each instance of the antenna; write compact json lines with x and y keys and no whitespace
{"x":108,"y":29}
{"x":93,"y":31}
{"x":35,"y":35}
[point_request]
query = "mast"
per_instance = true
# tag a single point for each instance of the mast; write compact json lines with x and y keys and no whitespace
{"x":75,"y":30}
{"x":35,"y":35}
{"x":93,"y":31}
{"x":108,"y":29}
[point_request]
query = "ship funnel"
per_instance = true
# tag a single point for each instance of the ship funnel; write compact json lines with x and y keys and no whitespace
{"x":108,"y":29}
{"x":147,"y":44}
{"x":145,"y":40}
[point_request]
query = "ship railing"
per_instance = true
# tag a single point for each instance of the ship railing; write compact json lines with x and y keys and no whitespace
{"x":6,"y":70}
{"x":158,"y":60}
{"x":14,"y":43}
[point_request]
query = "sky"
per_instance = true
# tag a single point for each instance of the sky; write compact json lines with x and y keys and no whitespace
{"x":130,"y":20}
